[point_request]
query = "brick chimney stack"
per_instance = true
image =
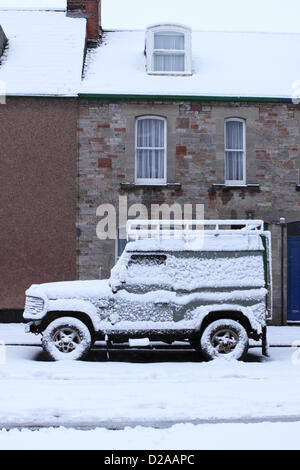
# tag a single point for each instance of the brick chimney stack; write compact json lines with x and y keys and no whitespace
{"x":90,"y":9}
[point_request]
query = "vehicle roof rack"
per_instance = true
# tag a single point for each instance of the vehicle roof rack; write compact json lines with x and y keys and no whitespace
{"x":187,"y":229}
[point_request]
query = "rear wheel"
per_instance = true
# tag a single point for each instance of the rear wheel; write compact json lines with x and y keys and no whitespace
{"x":67,"y":338}
{"x":224,"y":338}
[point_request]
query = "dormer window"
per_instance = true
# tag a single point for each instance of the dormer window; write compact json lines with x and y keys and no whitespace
{"x":168,"y":52}
{"x":168,"y":49}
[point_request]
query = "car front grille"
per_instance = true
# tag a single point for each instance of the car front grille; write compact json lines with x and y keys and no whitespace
{"x":33,"y":305}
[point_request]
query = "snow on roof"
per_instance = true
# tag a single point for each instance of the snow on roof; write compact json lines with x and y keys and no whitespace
{"x":225,"y":64}
{"x":33,"y":5}
{"x":44,"y":54}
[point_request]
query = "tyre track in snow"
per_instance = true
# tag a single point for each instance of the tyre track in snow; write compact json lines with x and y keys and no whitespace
{"x":116,"y":425}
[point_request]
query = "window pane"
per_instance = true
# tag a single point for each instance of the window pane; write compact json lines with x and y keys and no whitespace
{"x":234,"y":135}
{"x":173,"y":41}
{"x":154,"y":260}
{"x":150,"y":164}
{"x":234,"y":166}
{"x":169,"y":62}
{"x":150,"y":133}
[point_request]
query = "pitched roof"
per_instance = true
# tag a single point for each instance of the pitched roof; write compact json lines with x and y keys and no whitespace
{"x":225,"y":64}
{"x":44,"y":55}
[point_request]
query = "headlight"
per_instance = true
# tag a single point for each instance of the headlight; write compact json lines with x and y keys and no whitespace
{"x":33,"y":305}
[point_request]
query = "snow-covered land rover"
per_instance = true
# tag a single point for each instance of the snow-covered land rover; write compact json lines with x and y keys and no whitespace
{"x":173,"y":282}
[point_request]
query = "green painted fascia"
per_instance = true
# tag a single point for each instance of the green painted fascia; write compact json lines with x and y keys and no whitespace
{"x":66,"y":97}
{"x":92,"y":96}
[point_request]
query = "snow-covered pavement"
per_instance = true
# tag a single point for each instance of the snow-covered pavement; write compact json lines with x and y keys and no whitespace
{"x":170,"y":388}
{"x":154,"y":388}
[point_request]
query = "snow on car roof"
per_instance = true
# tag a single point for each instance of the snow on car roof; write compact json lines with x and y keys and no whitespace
{"x":44,"y":55}
{"x":209,"y":242}
{"x":225,"y":64}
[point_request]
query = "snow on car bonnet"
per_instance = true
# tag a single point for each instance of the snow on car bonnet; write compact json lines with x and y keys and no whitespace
{"x":69,"y":290}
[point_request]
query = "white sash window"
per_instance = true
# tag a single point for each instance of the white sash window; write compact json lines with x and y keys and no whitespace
{"x":150,"y":150}
{"x":235,"y":152}
{"x":169,"y":52}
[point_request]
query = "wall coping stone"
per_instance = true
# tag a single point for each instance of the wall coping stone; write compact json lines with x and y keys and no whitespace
{"x":134,"y":186}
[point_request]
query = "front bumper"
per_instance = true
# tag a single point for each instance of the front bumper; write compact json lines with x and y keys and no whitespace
{"x":33,"y":327}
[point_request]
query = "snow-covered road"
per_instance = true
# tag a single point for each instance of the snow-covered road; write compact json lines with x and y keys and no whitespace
{"x":275,"y":436}
{"x":156,"y":388}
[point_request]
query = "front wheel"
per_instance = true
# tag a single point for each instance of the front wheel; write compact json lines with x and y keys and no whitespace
{"x":224,"y":338}
{"x":66,"y":338}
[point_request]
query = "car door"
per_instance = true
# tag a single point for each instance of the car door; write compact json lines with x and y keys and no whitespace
{"x":145,"y":295}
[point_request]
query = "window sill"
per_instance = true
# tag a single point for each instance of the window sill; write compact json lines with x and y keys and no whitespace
{"x":172,"y":74}
{"x":227,"y":187}
{"x":134,"y":186}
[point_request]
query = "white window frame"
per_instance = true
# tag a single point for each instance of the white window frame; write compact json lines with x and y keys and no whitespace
{"x":151,"y":181}
{"x":243,"y":151}
{"x":187,"y":51}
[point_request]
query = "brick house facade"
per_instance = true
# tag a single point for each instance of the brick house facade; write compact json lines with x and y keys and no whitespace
{"x":37,"y":223}
{"x":195,"y":175}
{"x":93,"y":131}
{"x":190,"y":83}
{"x":40,"y":73}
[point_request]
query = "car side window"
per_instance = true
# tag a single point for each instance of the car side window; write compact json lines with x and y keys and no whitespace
{"x":147,"y":260}
{"x":146,"y":270}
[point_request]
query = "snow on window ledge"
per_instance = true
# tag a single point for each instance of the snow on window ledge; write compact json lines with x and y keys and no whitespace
{"x":254,"y":187}
{"x":171,"y":74}
{"x":171,"y":186}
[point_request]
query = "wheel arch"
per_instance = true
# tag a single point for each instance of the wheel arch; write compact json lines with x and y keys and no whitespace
{"x":236,"y":315}
{"x":84,"y":317}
